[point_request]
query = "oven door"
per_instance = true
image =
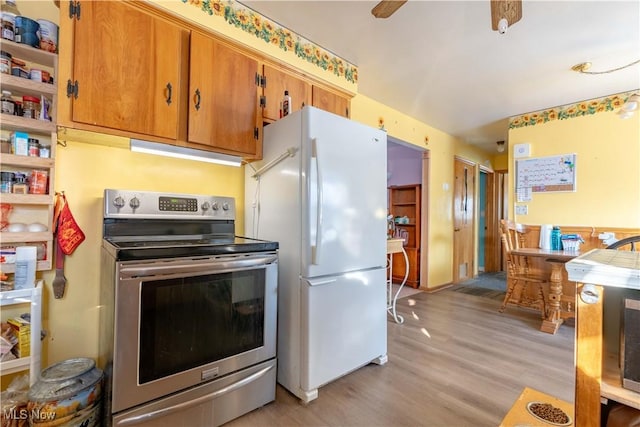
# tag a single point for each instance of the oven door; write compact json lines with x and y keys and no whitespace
{"x":181,"y":322}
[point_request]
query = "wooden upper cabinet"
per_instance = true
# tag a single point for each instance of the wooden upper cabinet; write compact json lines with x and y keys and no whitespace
{"x":275,"y":82}
{"x":127,"y":69}
{"x":223,"y":98}
{"x":330,"y":101}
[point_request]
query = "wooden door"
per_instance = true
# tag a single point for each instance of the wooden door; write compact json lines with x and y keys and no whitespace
{"x":128,"y":65}
{"x":276,"y":82}
{"x":330,"y":101}
{"x":492,"y":245}
{"x":223,"y":98}
{"x":463,"y":220}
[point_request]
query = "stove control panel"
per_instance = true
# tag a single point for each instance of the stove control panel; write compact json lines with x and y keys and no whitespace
{"x":155,"y":205}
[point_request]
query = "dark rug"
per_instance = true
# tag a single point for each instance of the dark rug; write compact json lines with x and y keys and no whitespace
{"x":486,"y":285}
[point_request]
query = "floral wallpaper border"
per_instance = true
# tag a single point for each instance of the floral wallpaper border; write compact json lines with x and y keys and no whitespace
{"x":569,"y":111}
{"x":251,"y":22}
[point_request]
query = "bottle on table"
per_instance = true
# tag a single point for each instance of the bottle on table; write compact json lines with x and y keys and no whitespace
{"x":556,"y":242}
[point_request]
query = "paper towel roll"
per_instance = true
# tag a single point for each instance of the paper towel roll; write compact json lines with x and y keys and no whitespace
{"x":545,"y":236}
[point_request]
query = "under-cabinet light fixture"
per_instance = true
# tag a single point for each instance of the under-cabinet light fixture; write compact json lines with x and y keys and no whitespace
{"x":140,"y":146}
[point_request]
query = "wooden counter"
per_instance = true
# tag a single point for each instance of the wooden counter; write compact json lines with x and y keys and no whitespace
{"x":599,"y":269}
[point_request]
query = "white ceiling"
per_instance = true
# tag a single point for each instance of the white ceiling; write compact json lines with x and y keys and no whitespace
{"x":440,"y":62}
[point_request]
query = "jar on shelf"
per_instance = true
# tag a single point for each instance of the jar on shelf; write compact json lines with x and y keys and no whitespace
{"x":5,"y":146}
{"x":6,"y":182}
{"x":45,"y":150}
{"x":18,"y":109}
{"x":5,"y":62}
{"x":19,"y":68}
{"x":30,"y":107}
{"x":20,"y":184}
{"x":34,"y":147}
{"x":8,"y":105}
{"x":8,"y":25}
{"x":9,"y":12}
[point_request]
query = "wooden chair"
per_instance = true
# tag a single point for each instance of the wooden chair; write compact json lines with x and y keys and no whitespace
{"x":630,"y":244}
{"x":513,"y":237}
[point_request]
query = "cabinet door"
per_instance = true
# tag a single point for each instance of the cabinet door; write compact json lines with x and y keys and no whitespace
{"x":223,"y":98}
{"x":127,"y":67}
{"x":330,"y":101}
{"x":276,"y":82}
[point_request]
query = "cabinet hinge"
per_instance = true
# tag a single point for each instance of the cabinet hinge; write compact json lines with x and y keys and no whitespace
{"x":263,"y":101}
{"x":256,"y":134}
{"x":257,"y":81}
{"x":72,"y":89}
{"x":263,"y":81}
{"x":74,"y":9}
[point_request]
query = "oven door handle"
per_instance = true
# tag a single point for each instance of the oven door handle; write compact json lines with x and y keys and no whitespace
{"x":218,"y":265}
{"x":138,"y":419}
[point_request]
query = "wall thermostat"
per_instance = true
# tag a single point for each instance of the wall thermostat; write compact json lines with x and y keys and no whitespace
{"x":521,"y":150}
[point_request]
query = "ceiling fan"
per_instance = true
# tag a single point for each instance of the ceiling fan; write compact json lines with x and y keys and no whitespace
{"x":503,"y":12}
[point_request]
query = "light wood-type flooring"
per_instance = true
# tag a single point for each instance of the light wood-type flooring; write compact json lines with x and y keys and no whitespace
{"x":454,"y":362}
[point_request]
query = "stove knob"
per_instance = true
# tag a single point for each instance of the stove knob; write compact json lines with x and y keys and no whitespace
{"x":215,"y":206}
{"x":225,"y":206}
{"x":205,"y":206}
{"x":118,"y":202}
{"x":134,"y":203}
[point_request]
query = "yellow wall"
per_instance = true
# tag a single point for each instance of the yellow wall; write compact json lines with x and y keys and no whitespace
{"x":83,"y":171}
{"x":501,"y":162}
{"x":442,"y":149}
{"x":607,"y":152}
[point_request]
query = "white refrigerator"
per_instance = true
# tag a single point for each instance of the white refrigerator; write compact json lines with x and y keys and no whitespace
{"x":320,"y":191}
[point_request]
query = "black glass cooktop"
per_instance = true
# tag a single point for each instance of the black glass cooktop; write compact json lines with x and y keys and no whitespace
{"x":162,"y":247}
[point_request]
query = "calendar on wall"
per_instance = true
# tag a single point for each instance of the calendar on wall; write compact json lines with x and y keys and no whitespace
{"x":546,"y":174}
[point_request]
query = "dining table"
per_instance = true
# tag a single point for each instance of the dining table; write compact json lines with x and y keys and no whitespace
{"x":554,"y":315}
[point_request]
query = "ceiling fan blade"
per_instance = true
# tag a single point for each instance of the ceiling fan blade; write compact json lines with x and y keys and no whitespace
{"x":509,"y":9}
{"x":386,"y":8}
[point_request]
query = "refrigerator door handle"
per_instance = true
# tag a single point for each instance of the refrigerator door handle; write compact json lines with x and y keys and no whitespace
{"x":317,"y":282}
{"x":315,"y":250}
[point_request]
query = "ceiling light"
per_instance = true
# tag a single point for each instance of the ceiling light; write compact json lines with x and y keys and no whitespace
{"x":500,"y":146}
{"x":505,"y":13}
{"x":140,"y":146}
{"x":503,"y":24}
{"x":585,"y":66}
{"x":629,"y":107}
{"x":632,"y":103}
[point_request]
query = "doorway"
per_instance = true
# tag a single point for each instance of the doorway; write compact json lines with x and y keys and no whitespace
{"x":464,"y":220}
{"x":408,"y":165}
{"x":482,"y":220}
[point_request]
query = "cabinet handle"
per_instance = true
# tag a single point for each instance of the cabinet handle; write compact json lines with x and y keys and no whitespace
{"x":196,"y":99}
{"x":167,"y":93}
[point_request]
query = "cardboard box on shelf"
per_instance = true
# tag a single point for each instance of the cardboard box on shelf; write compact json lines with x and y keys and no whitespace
{"x":22,"y":329}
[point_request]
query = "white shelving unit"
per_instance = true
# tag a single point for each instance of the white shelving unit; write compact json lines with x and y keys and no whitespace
{"x":32,"y":363}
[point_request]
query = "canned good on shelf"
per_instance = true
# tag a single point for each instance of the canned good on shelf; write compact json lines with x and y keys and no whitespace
{"x":38,"y":182}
